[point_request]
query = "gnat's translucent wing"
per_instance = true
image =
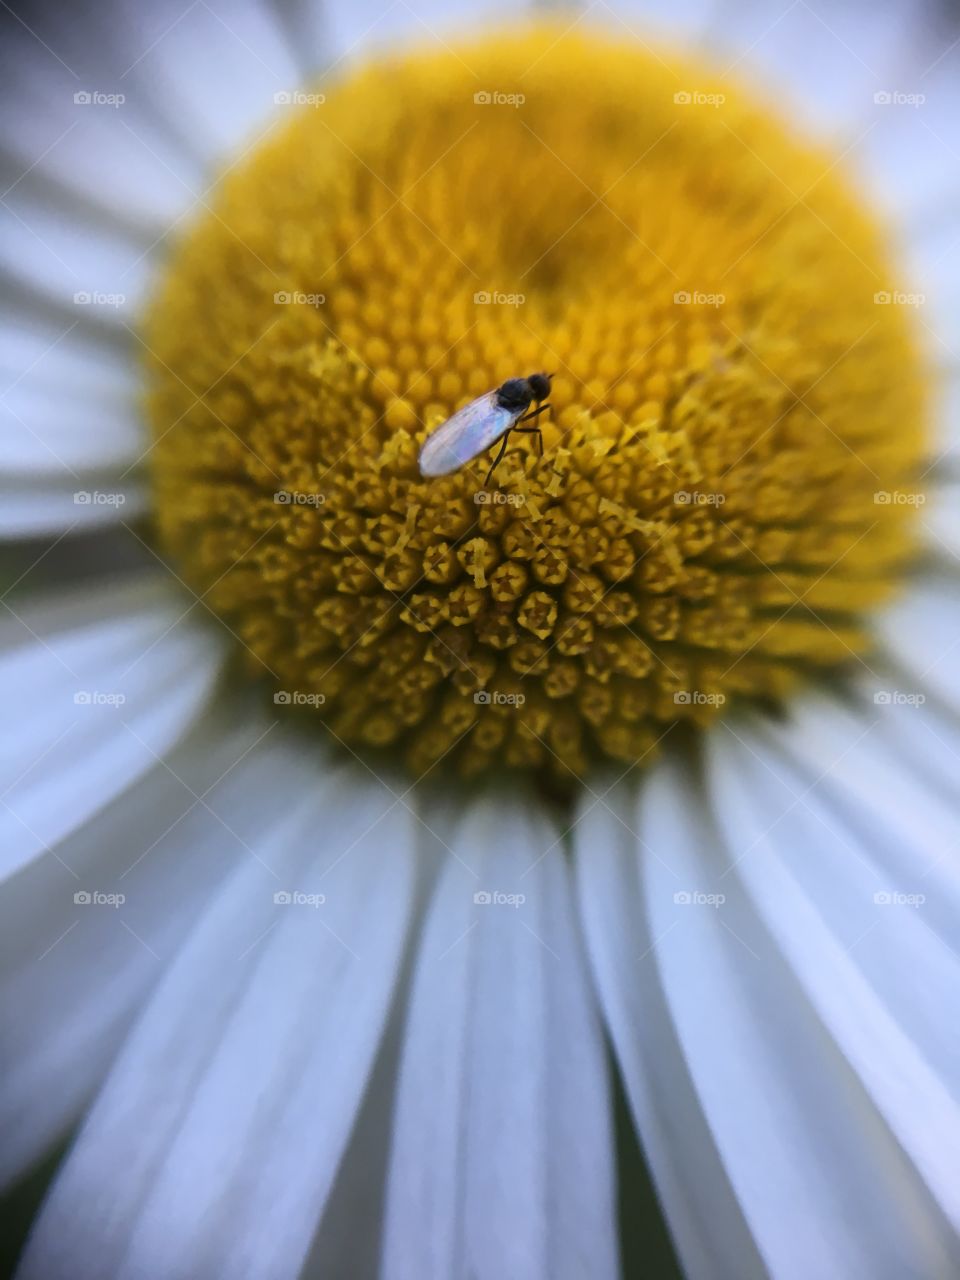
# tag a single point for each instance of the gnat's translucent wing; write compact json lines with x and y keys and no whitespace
{"x":469,"y":432}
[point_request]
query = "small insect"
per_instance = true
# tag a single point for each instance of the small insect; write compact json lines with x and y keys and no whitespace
{"x":483,"y":422}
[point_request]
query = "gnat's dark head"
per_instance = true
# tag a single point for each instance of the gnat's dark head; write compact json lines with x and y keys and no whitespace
{"x":539,"y":384}
{"x":517,"y":393}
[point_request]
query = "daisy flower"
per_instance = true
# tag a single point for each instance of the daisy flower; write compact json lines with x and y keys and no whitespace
{"x":372,"y":841}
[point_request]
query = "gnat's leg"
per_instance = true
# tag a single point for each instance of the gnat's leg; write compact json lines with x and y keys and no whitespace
{"x":532,"y":431}
{"x":539,"y":409}
{"x":503,"y":449}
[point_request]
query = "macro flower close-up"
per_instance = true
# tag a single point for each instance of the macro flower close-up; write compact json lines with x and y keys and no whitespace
{"x":480,"y":641}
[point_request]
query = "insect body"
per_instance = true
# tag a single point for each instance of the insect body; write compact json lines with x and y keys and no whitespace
{"x":483,"y":422}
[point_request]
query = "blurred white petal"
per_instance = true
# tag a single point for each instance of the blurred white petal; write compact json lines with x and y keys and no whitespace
{"x":231,"y":1104}
{"x":799,"y":1136}
{"x":97,"y":699}
{"x":837,"y":895}
{"x":165,"y":844}
{"x":922,"y":634}
{"x":502,"y":1161}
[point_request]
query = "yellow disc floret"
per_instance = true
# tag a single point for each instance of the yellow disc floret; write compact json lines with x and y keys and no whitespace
{"x":731,"y":406}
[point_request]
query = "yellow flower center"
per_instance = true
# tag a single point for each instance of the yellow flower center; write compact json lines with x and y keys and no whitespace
{"x":729,"y":400}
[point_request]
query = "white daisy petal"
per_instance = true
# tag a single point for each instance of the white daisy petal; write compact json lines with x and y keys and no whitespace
{"x":941,"y":523}
{"x":921,"y":633}
{"x":367,"y":28}
{"x":217,"y":64}
{"x":96,"y":704}
{"x":709,"y":1231}
{"x":908,"y":157}
{"x":835,"y":893}
{"x":87,"y":964}
{"x":899,"y":828}
{"x":45,"y":357}
{"x":931,"y":283}
{"x":777,"y":47}
{"x":502,"y":1157}
{"x":348,"y":1241}
{"x":122,"y":84}
{"x":70,"y":431}
{"x":747,"y":1004}
{"x":683,"y":20}
{"x":45,"y":432}
{"x":945,"y":429}
{"x":131,"y":161}
{"x":77,"y":270}
{"x":230,"y":1106}
{"x":922,"y":734}
{"x":41,"y":510}
{"x":305,"y":25}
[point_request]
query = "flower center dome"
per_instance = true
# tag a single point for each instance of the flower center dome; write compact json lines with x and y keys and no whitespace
{"x":729,"y":400}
